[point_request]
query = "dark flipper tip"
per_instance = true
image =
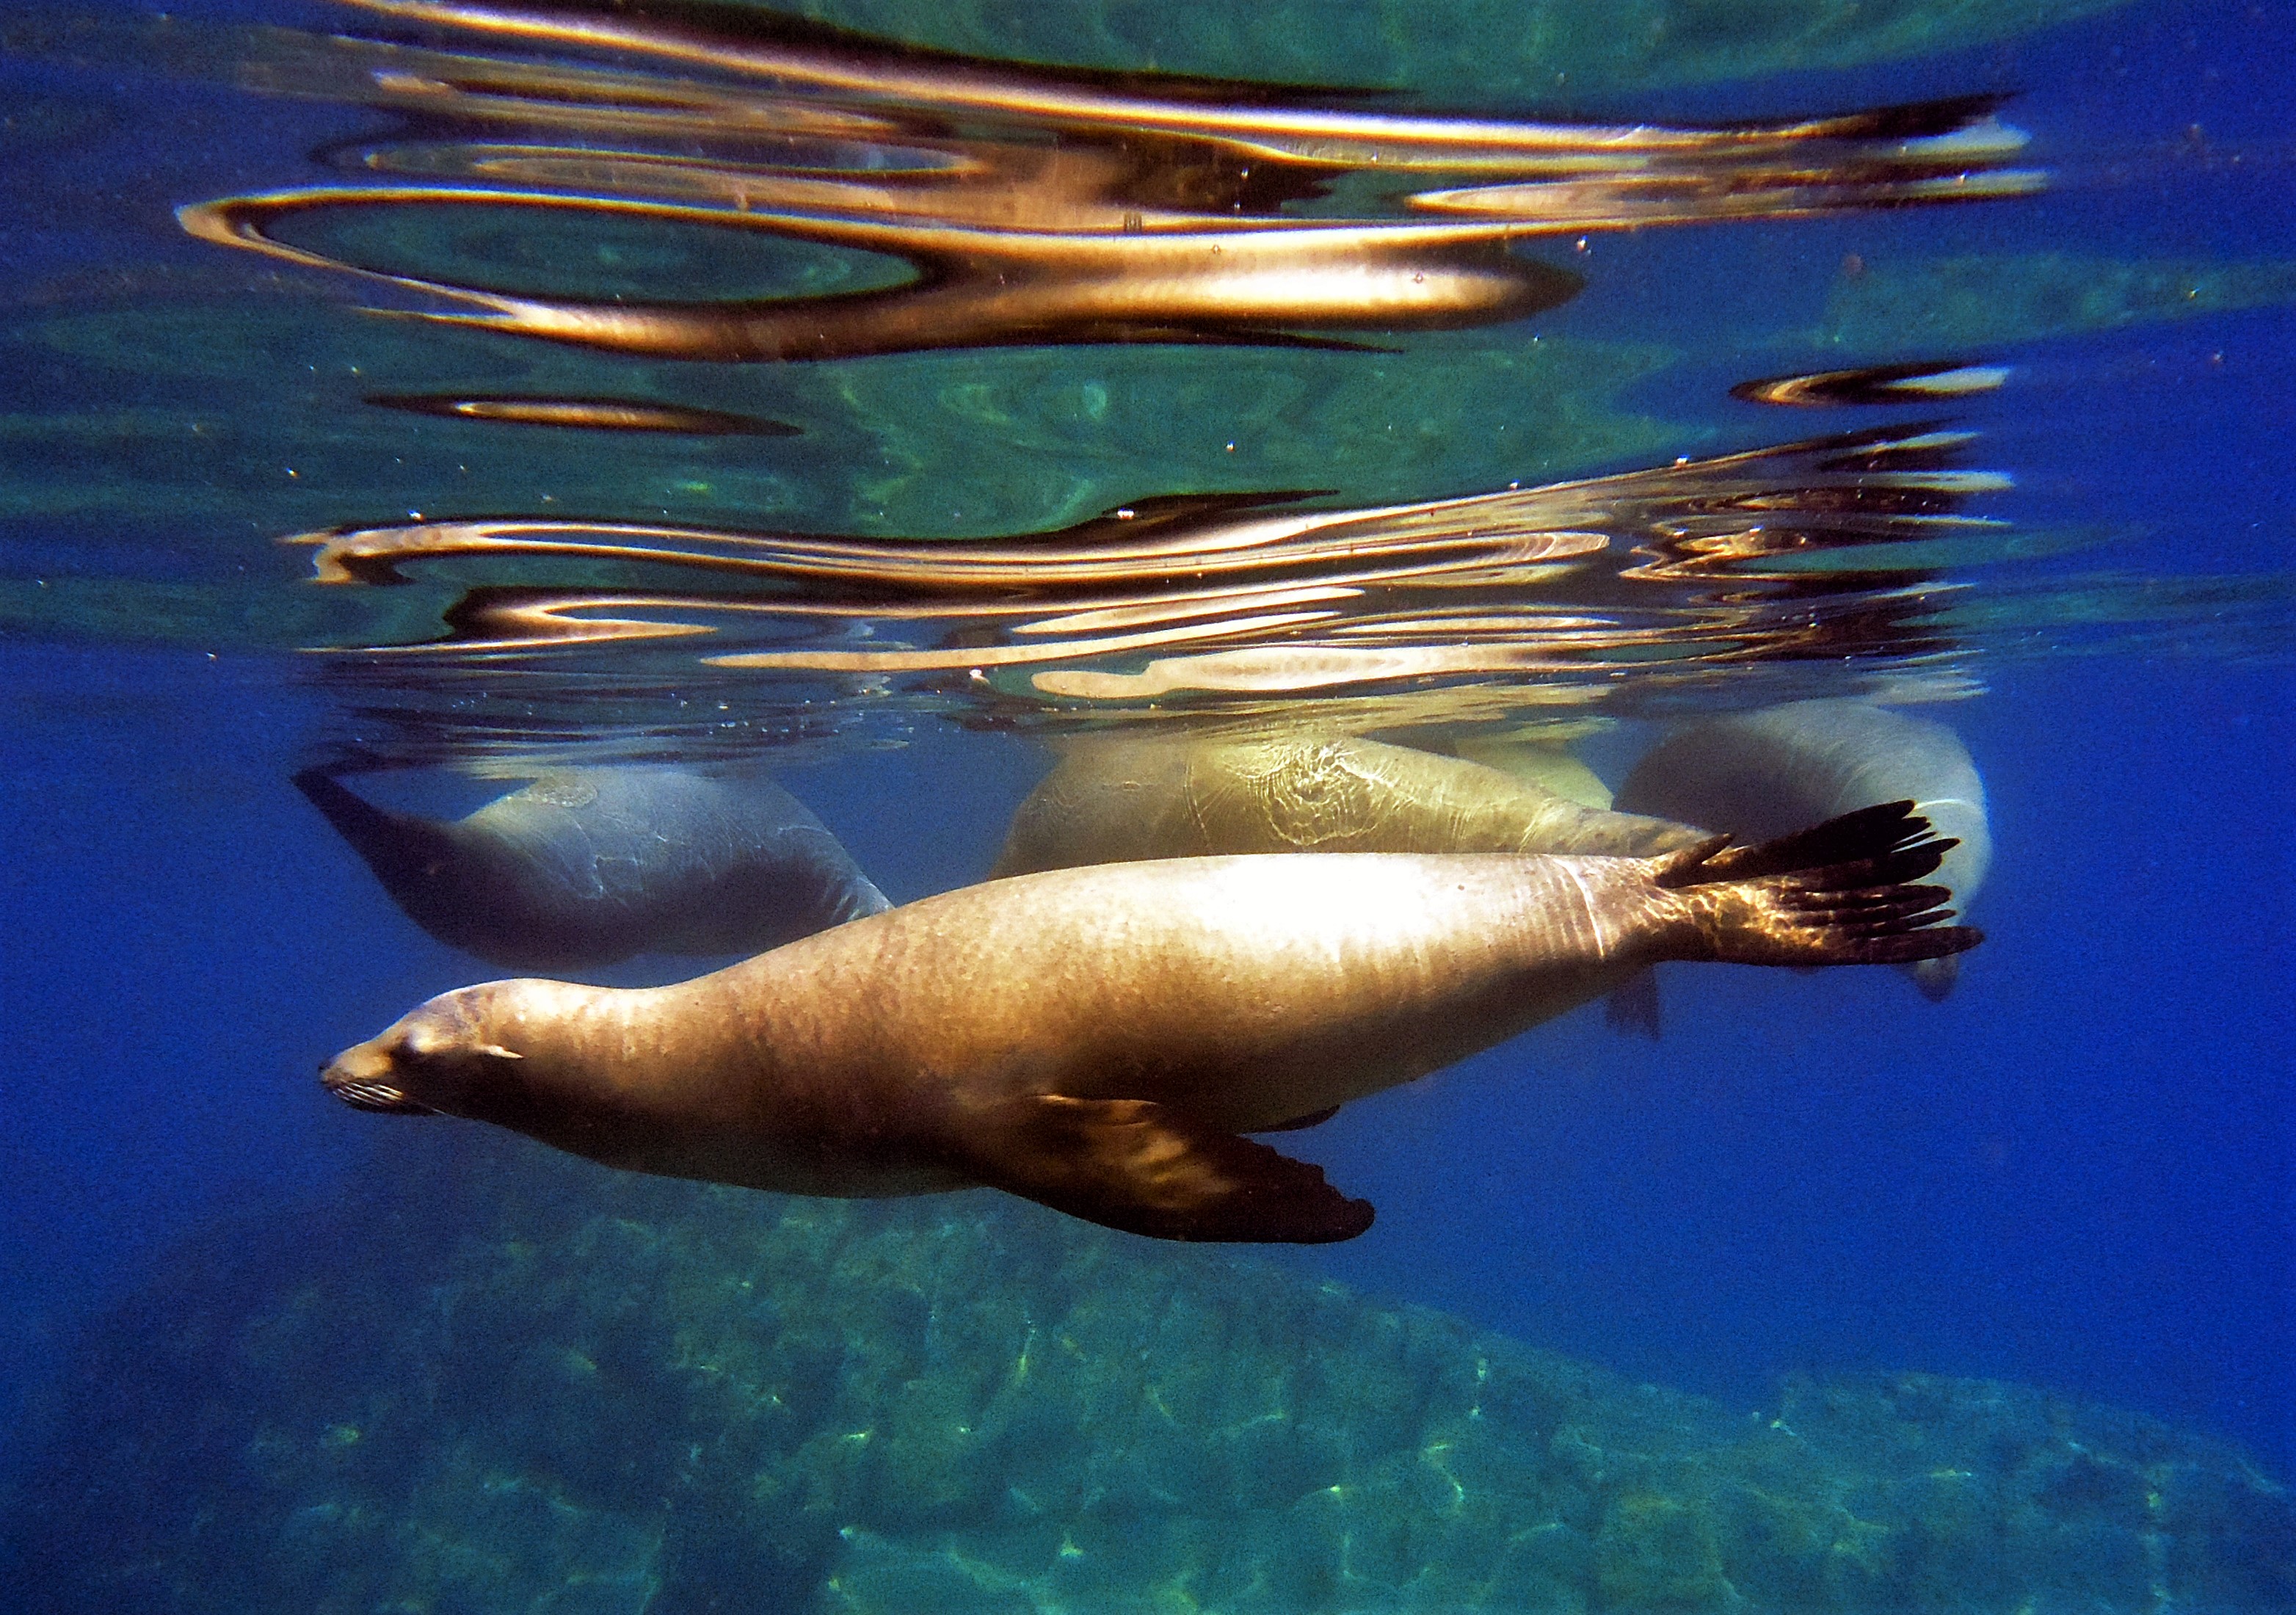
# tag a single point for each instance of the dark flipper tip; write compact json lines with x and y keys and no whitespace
{"x":1841,"y":892}
{"x":1913,"y":947}
{"x":1874,"y":833}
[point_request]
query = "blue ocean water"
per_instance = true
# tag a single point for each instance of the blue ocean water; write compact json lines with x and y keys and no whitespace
{"x":2073,"y":1173}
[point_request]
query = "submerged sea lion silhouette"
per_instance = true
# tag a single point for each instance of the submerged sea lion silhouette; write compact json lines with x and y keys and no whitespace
{"x":1775,"y":771}
{"x":1115,"y":800}
{"x":586,"y":867}
{"x":1098,"y":1039}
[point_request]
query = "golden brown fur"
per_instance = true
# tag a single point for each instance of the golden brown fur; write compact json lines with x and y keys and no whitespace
{"x":1100,"y":1038}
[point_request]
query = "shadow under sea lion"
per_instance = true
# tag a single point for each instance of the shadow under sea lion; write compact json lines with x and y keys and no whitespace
{"x":1117,"y":800}
{"x":586,"y":867}
{"x":1099,"y":1039}
{"x":1775,"y":771}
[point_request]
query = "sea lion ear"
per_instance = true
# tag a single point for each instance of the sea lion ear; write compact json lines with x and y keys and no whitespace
{"x":1145,"y":1169}
{"x":495,"y":1050}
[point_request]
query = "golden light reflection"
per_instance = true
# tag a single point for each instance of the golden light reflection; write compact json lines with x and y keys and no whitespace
{"x":687,"y":185}
{"x":1903,"y":383}
{"x":1029,"y":205}
{"x":1778,"y":555}
{"x":1151,"y":543}
{"x":974,"y":287}
{"x":1270,"y":122}
{"x":592,"y":414}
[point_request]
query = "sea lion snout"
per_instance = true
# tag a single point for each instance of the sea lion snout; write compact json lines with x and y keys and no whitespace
{"x":366,"y":1077}
{"x":426,"y":1064}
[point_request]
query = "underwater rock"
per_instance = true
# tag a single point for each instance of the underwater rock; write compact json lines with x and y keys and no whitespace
{"x":492,"y":1379}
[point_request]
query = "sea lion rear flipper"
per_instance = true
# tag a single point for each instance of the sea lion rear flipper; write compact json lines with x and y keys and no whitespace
{"x":1841,"y":892}
{"x":1633,"y":1005}
{"x":1146,"y":1169}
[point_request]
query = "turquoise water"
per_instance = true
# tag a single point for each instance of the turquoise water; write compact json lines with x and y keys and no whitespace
{"x":436,"y":398}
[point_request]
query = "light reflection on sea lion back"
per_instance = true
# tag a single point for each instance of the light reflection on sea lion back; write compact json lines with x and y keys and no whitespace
{"x":1031,"y":205}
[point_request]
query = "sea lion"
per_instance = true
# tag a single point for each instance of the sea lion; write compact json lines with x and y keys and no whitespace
{"x":1099,"y":1039}
{"x":1544,"y":762}
{"x":586,"y":867}
{"x":1771,"y":772}
{"x":1115,"y":800}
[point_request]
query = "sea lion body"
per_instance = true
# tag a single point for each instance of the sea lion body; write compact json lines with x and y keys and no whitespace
{"x":1780,"y":769}
{"x":1097,"y":1039}
{"x":586,"y":867}
{"x":1547,"y":764}
{"x":1112,"y":801}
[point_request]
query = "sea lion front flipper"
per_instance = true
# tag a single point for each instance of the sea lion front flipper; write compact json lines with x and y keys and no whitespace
{"x":1146,"y":1169}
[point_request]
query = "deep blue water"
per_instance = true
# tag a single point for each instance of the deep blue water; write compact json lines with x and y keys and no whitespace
{"x":2075,"y":1173}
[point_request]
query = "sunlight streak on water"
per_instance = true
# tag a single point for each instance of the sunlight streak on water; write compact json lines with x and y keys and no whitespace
{"x":1791,"y":554}
{"x":728,"y":191}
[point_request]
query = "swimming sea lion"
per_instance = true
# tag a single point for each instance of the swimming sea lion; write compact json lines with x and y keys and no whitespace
{"x":1114,"y":801}
{"x":1546,"y":763}
{"x":1099,"y":1039}
{"x":1774,"y":771}
{"x":586,"y":867}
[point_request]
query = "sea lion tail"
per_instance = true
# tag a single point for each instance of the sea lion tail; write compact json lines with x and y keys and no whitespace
{"x":1841,"y":892}
{"x":374,"y":833}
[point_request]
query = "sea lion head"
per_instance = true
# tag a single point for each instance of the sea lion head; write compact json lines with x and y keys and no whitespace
{"x":443,"y":1058}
